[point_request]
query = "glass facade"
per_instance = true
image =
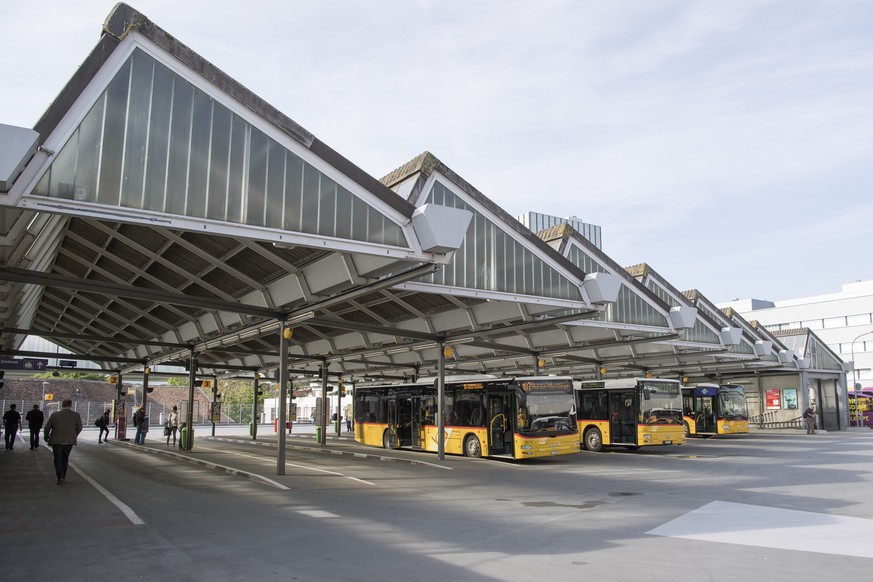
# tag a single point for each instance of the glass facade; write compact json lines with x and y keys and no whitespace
{"x":153,"y":141}
{"x":581,"y":259}
{"x":662,"y":293}
{"x":490,"y":259}
{"x":629,"y":307}
{"x":701,"y":333}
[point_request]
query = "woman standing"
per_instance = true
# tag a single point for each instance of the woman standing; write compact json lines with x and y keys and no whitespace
{"x":172,"y":425}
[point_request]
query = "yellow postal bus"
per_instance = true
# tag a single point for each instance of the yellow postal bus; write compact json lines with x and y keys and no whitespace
{"x":631,"y":412}
{"x":514,"y":418}
{"x":713,"y":409}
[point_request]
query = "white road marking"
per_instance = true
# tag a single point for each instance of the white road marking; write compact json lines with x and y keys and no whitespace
{"x":316,"y":513}
{"x":289,"y":465}
{"x":769,"y":527}
{"x":127,"y":511}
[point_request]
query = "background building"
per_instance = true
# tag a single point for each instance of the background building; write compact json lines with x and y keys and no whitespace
{"x":537,"y":221}
{"x":843,"y":321}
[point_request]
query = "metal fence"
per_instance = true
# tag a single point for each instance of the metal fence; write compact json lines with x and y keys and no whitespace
{"x":89,"y":410}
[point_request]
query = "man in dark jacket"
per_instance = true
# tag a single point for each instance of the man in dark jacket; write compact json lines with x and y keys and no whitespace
{"x":12,"y":423}
{"x":61,"y":432}
{"x":34,"y":418}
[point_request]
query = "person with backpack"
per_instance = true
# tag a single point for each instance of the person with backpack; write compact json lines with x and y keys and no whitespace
{"x":809,"y":419}
{"x":102,"y":423}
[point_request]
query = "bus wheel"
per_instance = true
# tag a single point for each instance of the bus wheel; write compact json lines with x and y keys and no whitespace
{"x":386,"y":440}
{"x":687,"y":429}
{"x":593,"y":440}
{"x":472,"y":447}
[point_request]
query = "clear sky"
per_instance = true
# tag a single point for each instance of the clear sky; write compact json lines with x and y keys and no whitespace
{"x":726,"y":143}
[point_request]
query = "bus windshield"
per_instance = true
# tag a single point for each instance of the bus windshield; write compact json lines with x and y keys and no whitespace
{"x":550,"y":413}
{"x":662,"y":404}
{"x":732,"y":404}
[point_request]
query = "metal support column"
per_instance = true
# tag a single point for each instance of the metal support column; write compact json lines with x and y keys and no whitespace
{"x":441,"y":397}
{"x":283,"y":393}
{"x":256,"y":389}
{"x":324,"y":404}
{"x":120,"y":409}
{"x":339,"y":406}
{"x":145,"y":390}
{"x":189,"y":420}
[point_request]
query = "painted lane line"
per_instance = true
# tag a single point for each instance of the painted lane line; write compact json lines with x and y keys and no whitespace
{"x":127,"y":511}
{"x":331,"y":451}
{"x":215,"y":466}
{"x":288,"y":464}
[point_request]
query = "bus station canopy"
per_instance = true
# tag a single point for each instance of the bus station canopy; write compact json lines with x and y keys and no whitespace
{"x":164,"y":211}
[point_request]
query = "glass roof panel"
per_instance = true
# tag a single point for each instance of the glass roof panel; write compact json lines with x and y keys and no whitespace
{"x":154,"y":141}
{"x":490,"y":259}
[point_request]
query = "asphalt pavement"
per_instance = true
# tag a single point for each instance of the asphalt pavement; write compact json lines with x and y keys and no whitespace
{"x":771,"y":505}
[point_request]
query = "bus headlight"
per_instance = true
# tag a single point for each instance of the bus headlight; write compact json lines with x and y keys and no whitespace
{"x":525,"y":447}
{"x":647,"y":437}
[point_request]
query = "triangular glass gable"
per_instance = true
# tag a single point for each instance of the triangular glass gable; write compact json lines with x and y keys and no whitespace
{"x":491,"y":260}
{"x":632,"y":309}
{"x":629,"y":307}
{"x":153,"y":141}
{"x":701,"y":333}
{"x":580,"y":258}
{"x":820,"y":355}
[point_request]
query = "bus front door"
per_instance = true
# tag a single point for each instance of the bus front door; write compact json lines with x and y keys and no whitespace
{"x":499,"y":428}
{"x":622,"y":414}
{"x":706,"y":416}
{"x":391,"y":440}
{"x":415,"y":423}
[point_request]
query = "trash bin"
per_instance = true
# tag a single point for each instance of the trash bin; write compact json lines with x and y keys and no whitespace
{"x":251,"y":429}
{"x":318,"y":433}
{"x":183,"y":438}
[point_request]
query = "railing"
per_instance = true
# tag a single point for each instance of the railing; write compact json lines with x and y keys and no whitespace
{"x":773,"y":420}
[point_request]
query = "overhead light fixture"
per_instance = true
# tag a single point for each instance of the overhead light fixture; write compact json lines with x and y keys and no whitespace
{"x":300,"y":317}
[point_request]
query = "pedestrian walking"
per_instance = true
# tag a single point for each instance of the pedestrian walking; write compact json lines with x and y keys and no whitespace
{"x":172,"y":425}
{"x":34,"y":418}
{"x":809,"y":419}
{"x":102,"y":423}
{"x":61,"y":433}
{"x":12,"y":424}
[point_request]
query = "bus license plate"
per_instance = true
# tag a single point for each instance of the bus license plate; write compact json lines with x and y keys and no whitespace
{"x":668,"y":442}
